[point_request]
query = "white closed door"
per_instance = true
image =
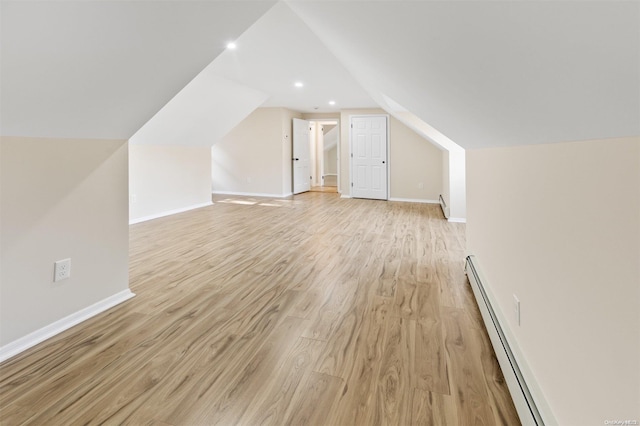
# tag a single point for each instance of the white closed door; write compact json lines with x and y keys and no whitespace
{"x":301,"y":156}
{"x":369,"y":157}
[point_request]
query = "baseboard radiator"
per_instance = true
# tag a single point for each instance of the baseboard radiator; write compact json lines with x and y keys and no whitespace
{"x":445,"y":208}
{"x":522,"y":399}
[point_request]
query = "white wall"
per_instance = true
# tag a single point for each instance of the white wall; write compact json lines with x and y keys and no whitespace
{"x":559,"y":226}
{"x":255,"y":157}
{"x":445,"y":178}
{"x":457,"y":189}
{"x":165,"y":179}
{"x":60,"y":199}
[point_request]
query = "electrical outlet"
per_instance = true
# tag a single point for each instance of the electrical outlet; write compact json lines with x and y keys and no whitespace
{"x":516,"y":309}
{"x":420,"y":185}
{"x":62,"y":270}
{"x":134,"y":198}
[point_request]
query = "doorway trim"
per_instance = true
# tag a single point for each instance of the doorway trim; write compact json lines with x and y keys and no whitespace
{"x":303,"y":151}
{"x":336,"y":121}
{"x":350,"y":158}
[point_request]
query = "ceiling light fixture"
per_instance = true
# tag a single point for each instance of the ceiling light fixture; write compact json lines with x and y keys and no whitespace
{"x":298,"y":84}
{"x":332,"y":102}
{"x":231,"y":46}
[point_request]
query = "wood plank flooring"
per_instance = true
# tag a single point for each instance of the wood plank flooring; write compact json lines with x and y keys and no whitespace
{"x":324,"y":189}
{"x":313,"y":310}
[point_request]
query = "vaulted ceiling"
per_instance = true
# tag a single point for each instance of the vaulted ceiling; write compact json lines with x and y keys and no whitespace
{"x":271,"y":55}
{"x":483,"y":73}
{"x":101,"y":69}
{"x":488,"y":73}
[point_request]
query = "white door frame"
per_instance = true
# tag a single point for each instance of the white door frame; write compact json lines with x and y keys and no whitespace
{"x":298,"y":123}
{"x":335,"y":121}
{"x":388,"y":164}
{"x":313,"y":152}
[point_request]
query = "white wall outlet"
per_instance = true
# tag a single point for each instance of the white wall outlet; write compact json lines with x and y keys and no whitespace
{"x":420,"y":185}
{"x":134,"y":198}
{"x":62,"y":270}
{"x":516,"y":309}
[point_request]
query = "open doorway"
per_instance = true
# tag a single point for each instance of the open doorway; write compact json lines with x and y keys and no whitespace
{"x":324,"y":155}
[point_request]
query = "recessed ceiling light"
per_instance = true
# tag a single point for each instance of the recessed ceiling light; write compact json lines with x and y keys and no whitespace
{"x":298,"y":84}
{"x":231,"y":46}
{"x":332,"y":102}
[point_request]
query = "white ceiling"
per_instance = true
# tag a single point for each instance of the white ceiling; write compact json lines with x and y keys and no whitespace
{"x":482,"y":73}
{"x":488,"y":73}
{"x":101,"y":69}
{"x":278,"y":50}
{"x":196,"y":116}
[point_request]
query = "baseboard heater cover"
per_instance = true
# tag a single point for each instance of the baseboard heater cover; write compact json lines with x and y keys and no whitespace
{"x":443,"y":205}
{"x":522,"y":398}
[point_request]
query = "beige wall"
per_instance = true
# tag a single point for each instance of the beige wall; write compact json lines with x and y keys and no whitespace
{"x":412,"y":159}
{"x":559,"y":226}
{"x":255,"y":157}
{"x":249,"y":158}
{"x":453,"y":167}
{"x":164,"y":179}
{"x":330,"y":160}
{"x":320,"y":116}
{"x":415,"y":165}
{"x":60,"y":199}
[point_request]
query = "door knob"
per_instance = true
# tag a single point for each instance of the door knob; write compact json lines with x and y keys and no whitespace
{"x":383,"y":162}
{"x":295,"y":159}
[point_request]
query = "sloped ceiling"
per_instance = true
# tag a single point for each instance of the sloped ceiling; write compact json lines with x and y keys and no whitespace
{"x":201,"y":113}
{"x":490,"y":73}
{"x":482,"y":73}
{"x":101,"y":69}
{"x":276,"y":51}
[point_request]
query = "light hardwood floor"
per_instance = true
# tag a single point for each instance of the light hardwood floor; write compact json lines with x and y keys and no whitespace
{"x":324,"y":189}
{"x":314,"y":310}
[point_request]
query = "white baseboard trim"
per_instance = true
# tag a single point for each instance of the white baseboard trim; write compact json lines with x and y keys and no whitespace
{"x":169,"y":213}
{"x":252,"y":194}
{"x":345,"y":196}
{"x":414,"y":200}
{"x":457,"y":220}
{"x":528,"y":398}
{"x":17,"y":346}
